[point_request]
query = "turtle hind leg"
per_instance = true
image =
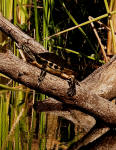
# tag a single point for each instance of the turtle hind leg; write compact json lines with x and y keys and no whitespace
{"x":77,"y":82}
{"x":72,"y":87}
{"x":42,"y":76}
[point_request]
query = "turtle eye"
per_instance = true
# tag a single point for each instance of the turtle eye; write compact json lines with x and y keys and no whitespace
{"x":55,"y":67}
{"x":50,"y":64}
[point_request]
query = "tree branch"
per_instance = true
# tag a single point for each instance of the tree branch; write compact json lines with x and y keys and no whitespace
{"x":19,"y":36}
{"x":28,"y":75}
{"x":100,"y":83}
{"x":103,"y":80}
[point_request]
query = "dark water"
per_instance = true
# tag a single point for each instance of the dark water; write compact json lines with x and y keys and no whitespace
{"x":46,"y":125}
{"x":24,"y":127}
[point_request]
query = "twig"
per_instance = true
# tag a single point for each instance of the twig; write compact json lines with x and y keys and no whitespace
{"x":99,"y":41}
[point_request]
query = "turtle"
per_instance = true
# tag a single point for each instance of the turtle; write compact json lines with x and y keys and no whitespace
{"x":54,"y":64}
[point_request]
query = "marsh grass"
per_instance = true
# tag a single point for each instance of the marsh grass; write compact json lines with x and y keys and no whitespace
{"x":51,"y":23}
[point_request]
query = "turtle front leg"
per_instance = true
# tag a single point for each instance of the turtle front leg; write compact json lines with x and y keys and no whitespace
{"x":72,"y":86}
{"x":41,"y":77}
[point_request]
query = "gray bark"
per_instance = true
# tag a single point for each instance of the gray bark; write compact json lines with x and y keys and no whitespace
{"x":54,"y":86}
{"x":92,"y":94}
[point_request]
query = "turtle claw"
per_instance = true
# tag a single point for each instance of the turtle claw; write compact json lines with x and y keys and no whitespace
{"x":72,"y":82}
{"x":72,"y":87}
{"x":41,"y":77}
{"x":71,"y":91}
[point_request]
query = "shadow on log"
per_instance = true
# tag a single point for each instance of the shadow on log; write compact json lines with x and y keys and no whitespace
{"x":107,"y":141}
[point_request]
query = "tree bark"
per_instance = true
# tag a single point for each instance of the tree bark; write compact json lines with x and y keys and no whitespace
{"x":20,"y":37}
{"x":92,"y":94}
{"x":28,"y":75}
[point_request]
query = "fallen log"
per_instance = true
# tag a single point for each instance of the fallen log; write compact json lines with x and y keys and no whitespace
{"x":103,"y":80}
{"x":56,"y":87}
{"x":92,"y":94}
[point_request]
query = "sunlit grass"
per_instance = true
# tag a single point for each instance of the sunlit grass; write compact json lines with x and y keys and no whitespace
{"x":42,"y":26}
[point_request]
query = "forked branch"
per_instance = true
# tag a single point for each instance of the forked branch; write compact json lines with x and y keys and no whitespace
{"x":90,"y":96}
